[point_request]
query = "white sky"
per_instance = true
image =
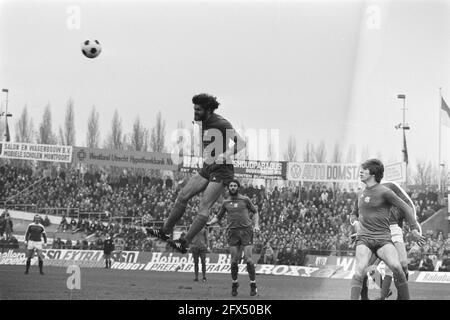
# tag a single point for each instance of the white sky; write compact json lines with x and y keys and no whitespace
{"x":312,"y":69}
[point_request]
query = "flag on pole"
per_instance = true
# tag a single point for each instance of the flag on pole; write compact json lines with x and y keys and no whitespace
{"x":405,"y":149}
{"x":445,"y":113}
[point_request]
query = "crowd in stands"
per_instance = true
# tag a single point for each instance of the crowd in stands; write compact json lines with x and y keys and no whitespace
{"x":293,"y":220}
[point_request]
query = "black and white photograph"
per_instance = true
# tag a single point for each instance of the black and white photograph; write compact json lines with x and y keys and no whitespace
{"x":224,"y":156}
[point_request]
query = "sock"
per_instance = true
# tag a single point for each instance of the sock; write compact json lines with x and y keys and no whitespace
{"x":402,"y":286}
{"x":405,"y":270}
{"x":28,"y":264}
{"x":365,"y":289}
{"x":251,"y":271}
{"x":204,"y":269}
{"x":197,"y":225}
{"x":234,"y":271}
{"x":385,"y":286}
{"x":41,"y":264}
{"x":196,"y":269}
{"x":356,"y":285}
{"x":175,"y":215}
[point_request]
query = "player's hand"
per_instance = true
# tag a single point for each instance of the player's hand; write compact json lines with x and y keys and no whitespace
{"x":418,"y":237}
{"x":256,"y":228}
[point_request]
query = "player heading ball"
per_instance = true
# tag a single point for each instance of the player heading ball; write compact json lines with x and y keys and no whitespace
{"x":213,"y":177}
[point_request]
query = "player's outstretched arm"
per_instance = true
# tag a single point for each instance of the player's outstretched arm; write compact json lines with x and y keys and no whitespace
{"x":395,"y":200}
{"x":256,"y":221}
{"x":213,"y":221}
{"x":355,"y":213}
{"x":27,"y":234}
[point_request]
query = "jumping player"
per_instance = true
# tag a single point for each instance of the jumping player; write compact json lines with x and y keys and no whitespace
{"x":33,"y":239}
{"x":240,"y":233}
{"x":198,"y":248}
{"x":372,"y":209}
{"x":216,"y":173}
{"x":108,"y":248}
{"x":396,"y":219}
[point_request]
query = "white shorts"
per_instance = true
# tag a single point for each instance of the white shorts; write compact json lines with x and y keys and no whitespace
{"x":396,"y":233}
{"x":34,"y":245}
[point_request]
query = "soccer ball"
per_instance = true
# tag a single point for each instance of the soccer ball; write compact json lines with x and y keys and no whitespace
{"x":91,"y":48}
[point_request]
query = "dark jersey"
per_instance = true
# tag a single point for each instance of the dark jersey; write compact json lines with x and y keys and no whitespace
{"x":237,"y":209}
{"x":372,"y":207}
{"x":200,"y":240}
{"x":396,"y":215}
{"x":108,"y":246}
{"x":213,"y":127}
{"x":35,"y":232}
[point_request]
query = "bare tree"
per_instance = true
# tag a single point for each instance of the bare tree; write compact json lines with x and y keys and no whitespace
{"x":138,"y":137}
{"x":24,"y":127}
{"x":291,"y":152}
{"x":45,"y":134}
{"x":321,"y":153}
{"x":157,"y":138}
{"x":61,"y":136}
{"x":93,"y":132}
{"x":351,"y":154}
{"x":115,"y":139}
{"x":337,"y":153}
{"x":422,"y":175}
{"x":69,"y":125}
{"x":308,"y":153}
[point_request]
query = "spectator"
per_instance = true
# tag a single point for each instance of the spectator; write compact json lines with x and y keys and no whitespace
{"x":46,"y":221}
{"x":73,"y":224}
{"x":57,"y":244}
{"x":445,"y":266}
{"x":68,"y":244}
{"x":77,"y":245}
{"x":268,"y":254}
{"x":7,"y":226}
{"x":63,"y":224}
{"x":427,"y":264}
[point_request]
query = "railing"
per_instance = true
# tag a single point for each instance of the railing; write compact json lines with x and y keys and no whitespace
{"x":55,"y":211}
{"x":20,"y":207}
{"x":68,"y":212}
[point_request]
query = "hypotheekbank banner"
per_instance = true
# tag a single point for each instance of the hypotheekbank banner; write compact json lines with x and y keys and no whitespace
{"x":124,"y":158}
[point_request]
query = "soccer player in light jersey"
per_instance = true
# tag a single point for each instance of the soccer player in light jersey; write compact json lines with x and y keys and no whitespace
{"x":216,"y":173}
{"x":240,"y":233}
{"x":372,"y":209}
{"x":33,"y":238}
{"x":396,"y":219}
